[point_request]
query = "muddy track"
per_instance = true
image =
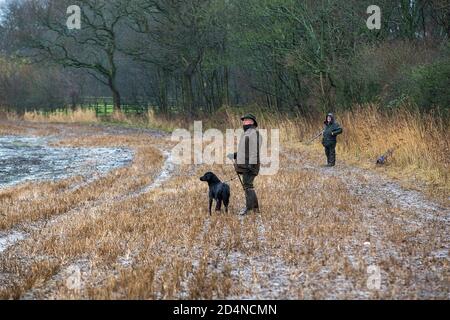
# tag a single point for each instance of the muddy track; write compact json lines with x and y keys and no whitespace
{"x":371,"y":186}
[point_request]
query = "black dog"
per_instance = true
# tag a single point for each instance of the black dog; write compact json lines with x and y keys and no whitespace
{"x":217,"y":191}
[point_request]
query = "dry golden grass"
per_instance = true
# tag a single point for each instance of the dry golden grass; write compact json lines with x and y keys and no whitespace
{"x":175,"y":251}
{"x":77,"y":116}
{"x":421,"y":145}
{"x":17,"y":127}
{"x":7,"y":115}
{"x":310,"y":237}
{"x":165,"y":123}
{"x":422,"y":148}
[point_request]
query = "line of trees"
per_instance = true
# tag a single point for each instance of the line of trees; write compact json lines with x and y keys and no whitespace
{"x":198,"y":55}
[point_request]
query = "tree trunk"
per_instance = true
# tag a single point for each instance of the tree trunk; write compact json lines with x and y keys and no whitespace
{"x":188,"y":95}
{"x":115,"y":95}
{"x":226,"y":86}
{"x":163,"y":97}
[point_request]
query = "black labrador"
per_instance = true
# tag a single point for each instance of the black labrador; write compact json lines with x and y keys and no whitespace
{"x":217,"y":191}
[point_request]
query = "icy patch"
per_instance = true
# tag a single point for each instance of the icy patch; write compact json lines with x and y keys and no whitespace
{"x":10,"y":239}
{"x":25,"y":159}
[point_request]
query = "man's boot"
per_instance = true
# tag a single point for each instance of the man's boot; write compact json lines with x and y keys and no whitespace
{"x":332,"y":158}
{"x":243,"y":212}
{"x":254,"y":205}
{"x":248,"y":203}
{"x":251,"y":202}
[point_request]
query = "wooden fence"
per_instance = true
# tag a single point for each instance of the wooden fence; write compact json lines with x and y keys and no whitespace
{"x":104,"y":106}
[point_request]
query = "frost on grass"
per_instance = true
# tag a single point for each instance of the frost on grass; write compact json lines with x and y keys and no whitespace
{"x":9,"y":239}
{"x":32,"y":158}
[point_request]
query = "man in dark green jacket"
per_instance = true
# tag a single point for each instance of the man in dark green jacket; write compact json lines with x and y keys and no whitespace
{"x":247,"y":161}
{"x":331,"y":130}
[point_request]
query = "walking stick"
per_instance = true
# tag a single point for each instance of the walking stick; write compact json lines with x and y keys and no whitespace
{"x":231,"y":157}
{"x":239,"y":176}
{"x":314,"y":138}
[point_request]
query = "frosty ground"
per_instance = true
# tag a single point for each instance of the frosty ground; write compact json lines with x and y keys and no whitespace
{"x":141,"y":229}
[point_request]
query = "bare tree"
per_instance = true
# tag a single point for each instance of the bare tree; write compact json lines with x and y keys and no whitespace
{"x":174,"y":36}
{"x":94,"y":48}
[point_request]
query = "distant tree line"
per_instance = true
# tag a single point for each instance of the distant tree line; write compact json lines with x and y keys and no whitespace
{"x":195,"y":56}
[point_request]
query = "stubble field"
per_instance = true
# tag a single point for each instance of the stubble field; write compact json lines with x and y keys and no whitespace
{"x":143,"y":232}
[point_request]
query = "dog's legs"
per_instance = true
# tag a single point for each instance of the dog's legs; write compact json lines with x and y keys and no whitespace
{"x":210,"y":205}
{"x":226,"y":202}
{"x":218,"y":204}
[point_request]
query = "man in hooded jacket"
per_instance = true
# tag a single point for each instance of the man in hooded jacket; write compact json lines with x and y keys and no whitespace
{"x":331,"y":130}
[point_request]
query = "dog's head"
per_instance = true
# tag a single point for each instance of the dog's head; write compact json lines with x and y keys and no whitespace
{"x":210,"y":178}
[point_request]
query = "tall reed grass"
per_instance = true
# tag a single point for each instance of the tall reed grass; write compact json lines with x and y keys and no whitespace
{"x":420,"y":142}
{"x":76,"y":116}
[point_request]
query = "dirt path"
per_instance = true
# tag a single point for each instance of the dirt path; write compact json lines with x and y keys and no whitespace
{"x":369,"y":185}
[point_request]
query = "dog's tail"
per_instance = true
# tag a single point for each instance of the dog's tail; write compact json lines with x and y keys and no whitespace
{"x":226,"y":194}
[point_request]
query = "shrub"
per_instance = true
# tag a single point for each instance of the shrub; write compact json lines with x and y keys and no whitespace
{"x":429,"y":85}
